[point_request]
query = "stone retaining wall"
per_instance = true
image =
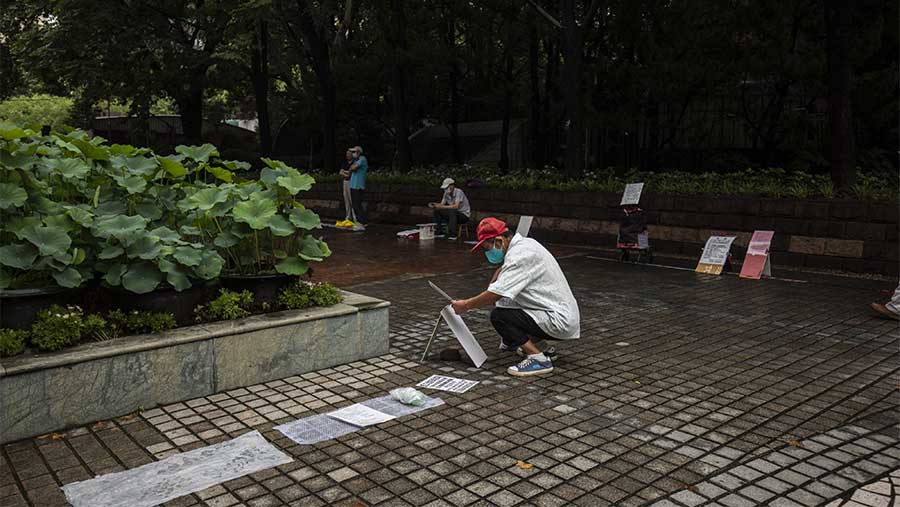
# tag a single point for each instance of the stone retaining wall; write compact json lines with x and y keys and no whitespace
{"x":845,"y":235}
{"x":49,"y":392}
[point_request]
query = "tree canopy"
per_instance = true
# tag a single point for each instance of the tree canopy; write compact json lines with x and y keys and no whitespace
{"x":698,"y":84}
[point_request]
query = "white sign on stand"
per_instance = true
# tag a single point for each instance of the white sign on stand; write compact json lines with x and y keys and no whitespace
{"x":524,"y":226}
{"x":464,"y":336}
{"x":632,"y":195}
{"x":715,"y":254}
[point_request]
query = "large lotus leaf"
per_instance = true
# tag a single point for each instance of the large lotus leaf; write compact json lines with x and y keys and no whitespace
{"x":125,"y":150}
{"x":11,"y":132}
{"x":141,"y":166}
{"x":280,"y":226}
{"x":5,"y":279}
{"x":245,"y":190}
{"x":149,"y":210}
{"x":69,"y":277}
{"x":205,"y":199}
{"x":199,"y":154}
{"x":91,"y":151}
{"x":68,"y":167}
{"x":292,"y":266}
{"x":17,"y":160}
{"x":172,"y":167}
{"x":48,"y":207}
{"x":188,"y":256}
{"x":220,"y":173}
{"x":294,"y":181}
{"x":235,"y":165}
{"x":270,"y":176}
{"x":118,"y":226}
{"x":17,"y":225}
{"x":175,"y":275}
{"x":80,"y":214}
{"x":210,"y":266}
{"x":60,"y":221}
{"x":112,"y":207}
{"x":255,"y":212}
{"x":227,"y":239}
{"x":19,"y":256}
{"x":141,"y":278}
{"x":12,"y":196}
{"x":305,"y":219}
{"x":190,"y":230}
{"x":114,"y":274}
{"x":49,"y":240}
{"x":312,"y":249}
{"x":166,"y":235}
{"x":111,"y":252}
{"x":165,"y":196}
{"x":146,"y":247}
{"x":133,"y":184}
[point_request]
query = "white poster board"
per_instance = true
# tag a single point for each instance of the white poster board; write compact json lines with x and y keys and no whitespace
{"x":632,"y":194}
{"x":715,"y":254}
{"x":464,"y":336}
{"x":524,"y":226}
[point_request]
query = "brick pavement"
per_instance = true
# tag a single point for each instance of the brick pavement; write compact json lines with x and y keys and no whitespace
{"x":684,"y":390}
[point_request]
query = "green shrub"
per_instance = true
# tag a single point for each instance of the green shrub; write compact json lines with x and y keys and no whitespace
{"x":37,"y":110}
{"x":12,"y":342}
{"x":134,"y":322}
{"x":57,"y":327}
{"x":303,"y":295}
{"x":228,"y":306}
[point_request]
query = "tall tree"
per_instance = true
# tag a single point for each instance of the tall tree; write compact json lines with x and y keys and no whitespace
{"x":840,"y":129}
{"x":396,"y":37}
{"x":573,"y":36}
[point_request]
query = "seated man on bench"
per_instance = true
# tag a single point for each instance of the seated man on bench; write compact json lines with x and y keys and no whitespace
{"x":453,"y":209}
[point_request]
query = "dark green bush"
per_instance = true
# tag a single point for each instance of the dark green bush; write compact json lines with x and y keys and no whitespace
{"x":57,"y":327}
{"x":12,"y":342}
{"x":134,"y":322}
{"x":228,"y":306}
{"x":304,"y":295}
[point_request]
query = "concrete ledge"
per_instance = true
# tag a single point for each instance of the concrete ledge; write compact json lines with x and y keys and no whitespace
{"x":48,"y":392}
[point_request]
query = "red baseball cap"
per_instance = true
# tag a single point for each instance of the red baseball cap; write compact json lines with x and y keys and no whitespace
{"x":489,"y":228}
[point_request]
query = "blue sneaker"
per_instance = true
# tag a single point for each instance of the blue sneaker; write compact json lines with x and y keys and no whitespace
{"x":530,"y":367}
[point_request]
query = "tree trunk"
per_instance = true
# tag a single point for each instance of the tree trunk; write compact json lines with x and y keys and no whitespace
{"x":508,"y":79}
{"x":398,"y":87}
{"x":190,"y":108}
{"x":534,"y":119}
{"x":319,"y":58}
{"x":551,"y":147}
{"x":259,"y":63}
{"x":453,"y":81}
{"x":571,"y":87}
{"x":840,"y":152}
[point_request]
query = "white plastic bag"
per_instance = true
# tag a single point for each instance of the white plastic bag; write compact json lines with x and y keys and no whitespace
{"x":408,"y":396}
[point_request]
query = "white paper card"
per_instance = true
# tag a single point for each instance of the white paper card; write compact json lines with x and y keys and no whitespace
{"x":643,"y":241}
{"x":716,"y":250}
{"x":464,"y":336}
{"x":524,"y":226}
{"x":632,"y":195}
{"x":450,"y":384}
{"x":360,"y":415}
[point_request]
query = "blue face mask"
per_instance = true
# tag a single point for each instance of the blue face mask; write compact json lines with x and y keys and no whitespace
{"x":495,"y":255}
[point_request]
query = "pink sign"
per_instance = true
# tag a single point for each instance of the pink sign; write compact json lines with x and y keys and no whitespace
{"x":756,"y":263}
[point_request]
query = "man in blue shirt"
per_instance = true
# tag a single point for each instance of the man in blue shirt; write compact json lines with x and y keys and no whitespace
{"x":358,"y":170}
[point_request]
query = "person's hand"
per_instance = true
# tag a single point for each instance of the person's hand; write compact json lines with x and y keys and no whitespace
{"x":460,"y":306}
{"x":431,"y":204}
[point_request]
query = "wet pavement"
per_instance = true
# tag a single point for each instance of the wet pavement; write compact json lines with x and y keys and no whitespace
{"x":684,"y":390}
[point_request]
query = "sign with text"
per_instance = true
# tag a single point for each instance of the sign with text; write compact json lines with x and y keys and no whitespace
{"x":632,"y":195}
{"x":756,"y":263}
{"x":715,"y":254}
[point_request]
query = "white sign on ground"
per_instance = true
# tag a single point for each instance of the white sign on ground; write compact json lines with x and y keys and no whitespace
{"x":464,"y":336}
{"x":756,"y":263}
{"x":524,"y":226}
{"x":715,"y":254}
{"x":450,"y":384}
{"x":360,"y":415}
{"x":632,"y":194}
{"x":178,"y":475}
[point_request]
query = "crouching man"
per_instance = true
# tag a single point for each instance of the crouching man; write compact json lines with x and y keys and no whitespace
{"x":537,"y":303}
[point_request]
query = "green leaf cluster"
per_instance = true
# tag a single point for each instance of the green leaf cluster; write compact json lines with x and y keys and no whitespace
{"x":228,"y":305}
{"x":12,"y":342}
{"x":303,"y":294}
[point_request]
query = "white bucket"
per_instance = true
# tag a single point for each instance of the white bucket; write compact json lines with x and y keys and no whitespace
{"x":426,"y":231}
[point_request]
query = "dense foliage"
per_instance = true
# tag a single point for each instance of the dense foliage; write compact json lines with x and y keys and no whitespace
{"x":303,"y":294}
{"x":73,"y":208}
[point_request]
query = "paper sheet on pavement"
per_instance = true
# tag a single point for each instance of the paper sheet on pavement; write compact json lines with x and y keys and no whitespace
{"x":360,"y":415}
{"x":450,"y":384}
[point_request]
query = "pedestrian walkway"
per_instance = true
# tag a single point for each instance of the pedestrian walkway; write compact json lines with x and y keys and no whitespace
{"x":684,"y":390}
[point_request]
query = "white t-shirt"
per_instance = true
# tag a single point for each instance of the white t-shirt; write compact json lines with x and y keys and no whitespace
{"x":533,"y":281}
{"x":458,"y":197}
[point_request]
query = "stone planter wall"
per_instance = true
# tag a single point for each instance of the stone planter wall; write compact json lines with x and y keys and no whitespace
{"x":49,"y":392}
{"x":826,"y":234}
